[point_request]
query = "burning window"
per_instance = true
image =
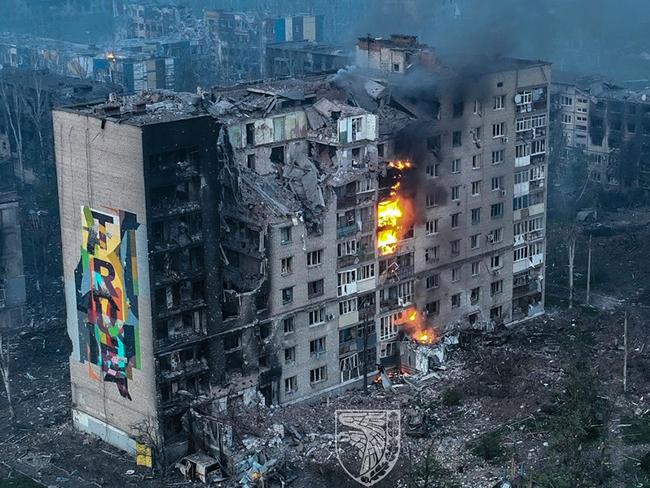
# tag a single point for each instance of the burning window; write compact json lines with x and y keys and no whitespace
{"x":394,"y":215}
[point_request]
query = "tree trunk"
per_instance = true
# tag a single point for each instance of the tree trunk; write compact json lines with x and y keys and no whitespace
{"x":4,"y":370}
{"x":572,"y":253}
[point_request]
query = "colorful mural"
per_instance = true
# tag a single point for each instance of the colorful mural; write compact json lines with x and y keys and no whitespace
{"x":107,"y":296}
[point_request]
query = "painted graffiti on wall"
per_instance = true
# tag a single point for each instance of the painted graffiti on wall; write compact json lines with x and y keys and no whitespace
{"x":107,"y":296}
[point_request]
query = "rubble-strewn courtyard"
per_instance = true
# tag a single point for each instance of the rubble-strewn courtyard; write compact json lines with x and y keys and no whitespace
{"x":543,"y":399}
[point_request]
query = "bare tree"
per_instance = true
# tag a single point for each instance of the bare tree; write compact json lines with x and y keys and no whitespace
{"x":571,"y":246}
{"x":37,"y":109}
{"x":148,"y":433}
{"x":12,"y":103}
{"x":5,"y":362}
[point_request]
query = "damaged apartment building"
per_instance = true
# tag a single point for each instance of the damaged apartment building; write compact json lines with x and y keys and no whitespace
{"x":607,"y":124}
{"x":276,"y":242}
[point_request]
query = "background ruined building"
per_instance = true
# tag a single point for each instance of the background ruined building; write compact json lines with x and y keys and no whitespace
{"x":234,"y":236}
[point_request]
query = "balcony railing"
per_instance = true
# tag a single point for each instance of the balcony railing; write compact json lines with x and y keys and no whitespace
{"x":347,"y":230}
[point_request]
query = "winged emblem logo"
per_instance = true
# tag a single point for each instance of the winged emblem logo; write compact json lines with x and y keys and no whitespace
{"x":367,"y":443}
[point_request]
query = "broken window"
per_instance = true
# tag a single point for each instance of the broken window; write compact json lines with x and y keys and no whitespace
{"x":232,"y":341}
{"x":250,"y":134}
{"x":433,"y":308}
{"x":388,"y":349}
{"x":314,"y":258}
{"x":315,"y":288}
{"x":434,"y":143}
{"x":455,"y":300}
{"x":349,"y":367}
{"x":285,"y":235}
{"x":291,"y":385}
{"x":277,"y":154}
{"x":290,"y":355}
{"x":431,"y":254}
{"x":475,"y":295}
{"x":474,"y":241}
{"x":278,"y":129}
{"x":357,"y":128}
{"x":318,"y":375}
{"x":455,"y":247}
{"x":316,"y":316}
{"x":250,"y":161}
{"x":455,"y":220}
{"x":388,"y":326}
{"x":317,"y":346}
{"x":457,"y":138}
{"x":287,"y":265}
{"x":496,"y":312}
{"x":287,"y":295}
{"x":458,"y":109}
{"x":288,"y":325}
{"x":496,"y":287}
{"x":455,"y":275}
{"x":433,"y":281}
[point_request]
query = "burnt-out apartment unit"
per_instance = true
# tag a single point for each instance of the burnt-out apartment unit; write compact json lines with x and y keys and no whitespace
{"x":606,"y":124}
{"x":273,"y":242}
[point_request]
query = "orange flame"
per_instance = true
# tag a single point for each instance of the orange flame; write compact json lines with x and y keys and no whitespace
{"x":416,"y":327}
{"x":393,"y":215}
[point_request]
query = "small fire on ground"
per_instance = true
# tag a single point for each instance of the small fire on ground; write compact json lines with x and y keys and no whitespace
{"x":394,"y":214}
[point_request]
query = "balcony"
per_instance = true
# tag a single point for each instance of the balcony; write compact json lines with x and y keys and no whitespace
{"x":183,"y":306}
{"x":347,"y":230}
{"x":347,"y":289}
{"x":171,"y":208}
{"x":190,"y":368}
{"x":175,"y":244}
{"x":167,"y":277}
{"x":345,"y":261}
{"x":181,"y":338}
{"x":348,"y":347}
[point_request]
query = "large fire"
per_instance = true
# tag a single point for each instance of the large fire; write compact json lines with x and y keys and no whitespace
{"x":416,"y":327}
{"x":394,"y":215}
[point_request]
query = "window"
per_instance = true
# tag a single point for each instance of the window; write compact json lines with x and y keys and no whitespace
{"x":455,"y":300}
{"x":476,"y":216}
{"x":520,"y":202}
{"x":496,"y":262}
{"x":455,"y":275}
{"x":474,"y":241}
{"x":433,"y":281}
{"x":434,"y":143}
{"x":388,"y":326}
{"x":495,"y":313}
{"x":290,"y":385}
{"x":365,"y":185}
{"x":476,"y":188}
{"x":455,"y":220}
{"x":521,"y":177}
{"x":455,"y":247}
{"x":538,"y":146}
{"x":287,"y":295}
{"x":498,"y":156}
{"x":475,"y":295}
{"x":522,"y":150}
{"x":346,"y":282}
{"x":317,"y":316}
{"x":476,"y":161}
{"x":476,"y":268}
{"x":499,"y":102}
{"x":567,"y":118}
{"x":455,"y":166}
{"x":431,"y":227}
{"x":432,"y":254}
{"x":478,"y":107}
{"x":566,"y":101}
{"x":318,"y":375}
{"x":496,"y":210}
{"x":496,"y":287}
{"x":387,"y":349}
{"x":315,"y":288}
{"x":317,"y":346}
{"x":314,"y":258}
{"x":349,"y":367}
{"x":290,"y":355}
{"x":287,"y":265}
{"x":456,"y":139}
{"x":357,"y":128}
{"x":250,"y":161}
{"x":455,"y":192}
{"x":496,"y":235}
{"x":432,"y":199}
{"x":367,"y":271}
{"x":497,"y":182}
{"x":433,"y":308}
{"x":347,"y":306}
{"x":499,"y":130}
{"x":459,"y":108}
{"x":288,"y":325}
{"x":285,"y":235}
{"x":432,"y":170}
{"x":346,"y":248}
